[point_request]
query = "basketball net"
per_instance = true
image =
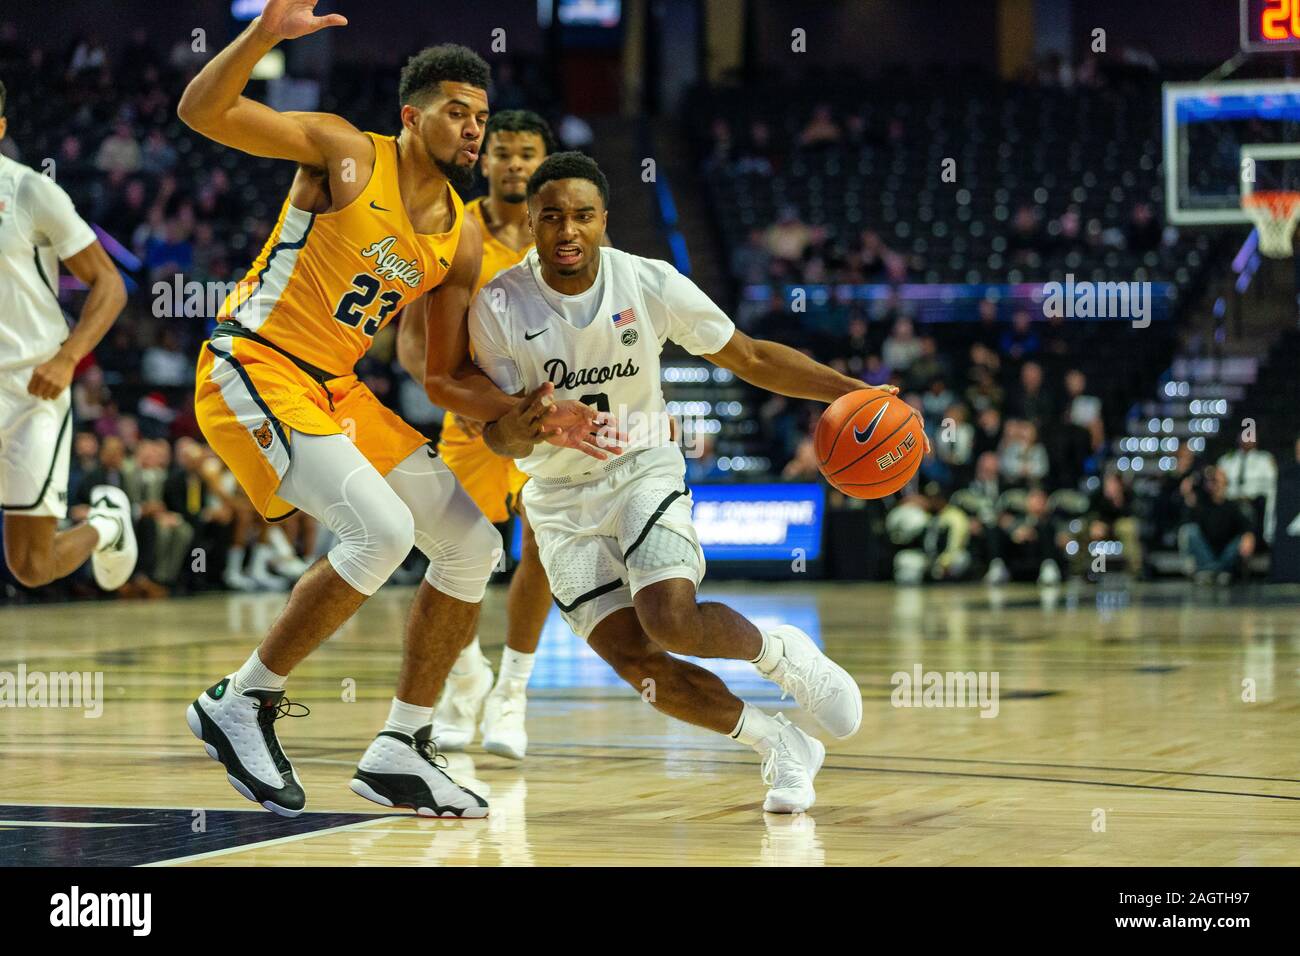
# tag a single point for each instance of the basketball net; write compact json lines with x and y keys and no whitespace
{"x":1274,"y":213}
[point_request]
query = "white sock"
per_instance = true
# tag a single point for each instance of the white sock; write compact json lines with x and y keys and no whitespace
{"x":407,"y":718}
{"x":754,"y":728}
{"x":515,"y":666}
{"x":255,"y":675}
{"x":258,"y":566}
{"x":107,"y":528}
{"x":280,"y":545}
{"x":771,"y":654}
{"x":467,"y":660}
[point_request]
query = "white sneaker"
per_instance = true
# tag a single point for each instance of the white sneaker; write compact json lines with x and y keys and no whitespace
{"x":503,"y":721}
{"x":789,"y":766}
{"x":239,"y":731}
{"x":113,"y":563}
{"x":821,"y":686}
{"x":237,"y":580}
{"x":292,"y":567}
{"x":997,"y":573}
{"x":1049,"y":573}
{"x":402,"y":771}
{"x":462,"y":700}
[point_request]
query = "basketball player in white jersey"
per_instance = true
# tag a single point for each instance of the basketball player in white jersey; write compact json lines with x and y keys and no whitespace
{"x":617,"y":540}
{"x":39,"y":228}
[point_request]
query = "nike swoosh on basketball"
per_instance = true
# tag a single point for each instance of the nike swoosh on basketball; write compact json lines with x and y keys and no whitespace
{"x":380,"y":208}
{"x":863,"y":435}
{"x":532,"y":335}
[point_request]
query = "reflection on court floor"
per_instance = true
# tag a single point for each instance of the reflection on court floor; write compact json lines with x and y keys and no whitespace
{"x":565,"y":661}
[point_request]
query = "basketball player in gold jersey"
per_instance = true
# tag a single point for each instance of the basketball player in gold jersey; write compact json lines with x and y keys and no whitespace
{"x":371,"y":224}
{"x":514,"y":145}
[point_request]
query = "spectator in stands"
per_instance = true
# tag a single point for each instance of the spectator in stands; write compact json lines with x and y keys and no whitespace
{"x":901,"y":348}
{"x":1110,"y":517}
{"x":1251,"y":474}
{"x":1025,"y":545}
{"x":1083,"y":410}
{"x":1023,"y":458}
{"x":1218,"y":539}
{"x":85,"y":457}
{"x":983,"y":392}
{"x":937,"y":399}
{"x":1031,"y":401}
{"x":788,"y":237}
{"x":168,"y":533}
{"x":169,"y":254}
{"x":985,"y":487}
{"x":166,"y":362}
{"x":875,"y":371}
{"x":1020,"y":341}
{"x":821,"y":129}
{"x":157,"y":156}
{"x":119,"y":152}
{"x":956,"y":445}
{"x":928,"y":365}
{"x":988,"y":431}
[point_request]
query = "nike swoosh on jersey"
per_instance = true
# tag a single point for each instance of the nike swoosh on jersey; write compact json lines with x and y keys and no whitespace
{"x":380,"y":208}
{"x":863,"y":435}
{"x":528,"y":336}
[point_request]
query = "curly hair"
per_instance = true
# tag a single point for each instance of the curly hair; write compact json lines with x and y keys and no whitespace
{"x":447,"y":61}
{"x":521,"y":121}
{"x":570,"y":165}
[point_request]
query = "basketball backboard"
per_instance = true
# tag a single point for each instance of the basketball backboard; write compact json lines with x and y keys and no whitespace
{"x":1225,"y":140}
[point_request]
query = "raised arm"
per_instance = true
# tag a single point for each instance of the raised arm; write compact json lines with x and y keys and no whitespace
{"x":213,"y":104}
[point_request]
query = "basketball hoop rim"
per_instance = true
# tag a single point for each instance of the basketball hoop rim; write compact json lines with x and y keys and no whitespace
{"x":1277,"y":201}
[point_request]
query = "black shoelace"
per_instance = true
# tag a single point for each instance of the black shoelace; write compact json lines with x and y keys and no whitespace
{"x":267,"y":715}
{"x":428,"y":749}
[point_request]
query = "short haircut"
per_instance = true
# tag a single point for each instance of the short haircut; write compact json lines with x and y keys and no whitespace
{"x":432,"y":65}
{"x":521,"y":121}
{"x":570,"y":165}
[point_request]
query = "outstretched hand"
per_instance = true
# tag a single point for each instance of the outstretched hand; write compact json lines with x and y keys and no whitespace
{"x":537,"y":417}
{"x":289,"y":19}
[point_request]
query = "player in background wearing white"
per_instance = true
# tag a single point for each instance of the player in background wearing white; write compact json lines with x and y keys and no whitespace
{"x":617,"y":541}
{"x":39,"y":228}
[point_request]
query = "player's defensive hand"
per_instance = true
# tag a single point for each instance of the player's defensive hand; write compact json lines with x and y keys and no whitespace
{"x":50,"y":378}
{"x":289,"y":19}
{"x":472,"y":427}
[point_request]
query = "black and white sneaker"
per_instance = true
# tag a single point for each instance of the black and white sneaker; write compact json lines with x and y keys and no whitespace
{"x":398,"y":770}
{"x":239,"y":731}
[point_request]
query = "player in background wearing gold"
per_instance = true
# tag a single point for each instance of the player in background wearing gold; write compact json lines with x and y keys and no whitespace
{"x":514,"y":145}
{"x":371,"y":224}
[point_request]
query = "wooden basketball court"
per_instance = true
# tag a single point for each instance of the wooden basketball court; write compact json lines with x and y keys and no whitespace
{"x":1121,"y":737}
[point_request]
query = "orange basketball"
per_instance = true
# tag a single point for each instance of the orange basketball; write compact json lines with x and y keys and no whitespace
{"x":869,"y":443}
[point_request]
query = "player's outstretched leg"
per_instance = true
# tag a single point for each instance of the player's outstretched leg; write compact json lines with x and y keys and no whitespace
{"x":673,"y":619}
{"x":678,"y":688}
{"x":527,"y":605}
{"x":402,"y":766}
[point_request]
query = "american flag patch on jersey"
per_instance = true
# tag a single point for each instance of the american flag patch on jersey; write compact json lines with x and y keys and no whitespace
{"x":626,"y":317}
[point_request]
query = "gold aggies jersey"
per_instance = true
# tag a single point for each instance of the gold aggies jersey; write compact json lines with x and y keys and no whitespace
{"x":325,"y":283}
{"x":496,"y":254}
{"x":490,"y":480}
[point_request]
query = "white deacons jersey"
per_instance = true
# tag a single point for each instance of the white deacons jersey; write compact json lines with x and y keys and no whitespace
{"x":38,"y":227}
{"x":600,"y":347}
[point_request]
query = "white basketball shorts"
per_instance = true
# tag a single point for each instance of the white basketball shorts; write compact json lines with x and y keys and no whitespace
{"x":35,"y":448}
{"x":602,"y":540}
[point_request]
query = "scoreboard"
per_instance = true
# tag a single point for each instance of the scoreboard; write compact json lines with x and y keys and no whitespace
{"x":1270,"y":25}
